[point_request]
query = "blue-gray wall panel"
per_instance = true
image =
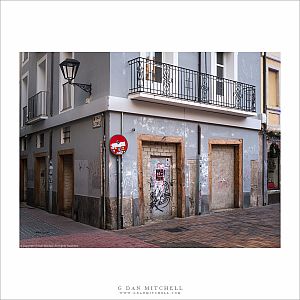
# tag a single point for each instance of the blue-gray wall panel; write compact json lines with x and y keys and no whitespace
{"x":249,"y":72}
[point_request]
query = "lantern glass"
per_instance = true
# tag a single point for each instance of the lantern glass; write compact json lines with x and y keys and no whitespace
{"x":69,"y":68}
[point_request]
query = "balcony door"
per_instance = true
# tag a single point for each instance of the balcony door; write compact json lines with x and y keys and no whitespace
{"x":160,"y":72}
{"x":41,"y":87}
{"x":225,"y":91}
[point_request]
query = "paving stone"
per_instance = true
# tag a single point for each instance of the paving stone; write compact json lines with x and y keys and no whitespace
{"x":257,"y":227}
{"x":252,"y":227}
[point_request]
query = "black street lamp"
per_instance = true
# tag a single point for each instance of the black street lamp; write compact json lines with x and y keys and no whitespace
{"x":69,"y":68}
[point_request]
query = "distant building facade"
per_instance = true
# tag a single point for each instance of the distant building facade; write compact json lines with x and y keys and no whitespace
{"x":271,"y":124}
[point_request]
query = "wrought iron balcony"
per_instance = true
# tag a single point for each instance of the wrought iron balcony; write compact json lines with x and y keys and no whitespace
{"x":24,"y":115}
{"x":37,"y":107}
{"x":181,"y":86}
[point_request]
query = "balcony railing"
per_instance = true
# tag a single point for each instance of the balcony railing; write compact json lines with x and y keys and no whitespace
{"x":24,"y":115}
{"x":37,"y":107}
{"x":149,"y":76}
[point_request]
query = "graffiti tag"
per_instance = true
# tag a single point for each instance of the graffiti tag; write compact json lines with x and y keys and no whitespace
{"x":160,"y":195}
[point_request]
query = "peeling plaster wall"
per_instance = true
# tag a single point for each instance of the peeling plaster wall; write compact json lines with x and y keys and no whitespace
{"x":86,"y":144}
{"x":168,"y":127}
{"x":250,"y":150}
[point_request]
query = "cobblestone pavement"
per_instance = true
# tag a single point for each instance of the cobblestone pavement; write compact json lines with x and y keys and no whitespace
{"x":257,"y":227}
{"x":252,"y":227}
{"x":40,"y":229}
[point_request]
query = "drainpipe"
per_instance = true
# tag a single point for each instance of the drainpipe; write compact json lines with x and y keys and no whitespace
{"x":103,"y":173}
{"x":199,"y":81}
{"x":121,"y":176}
{"x":119,"y":185}
{"x":264,"y":135}
{"x":50,"y":177}
{"x":51,"y":91}
{"x":198,"y":205}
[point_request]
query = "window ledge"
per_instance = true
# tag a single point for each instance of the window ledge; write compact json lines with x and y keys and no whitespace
{"x":34,"y":120}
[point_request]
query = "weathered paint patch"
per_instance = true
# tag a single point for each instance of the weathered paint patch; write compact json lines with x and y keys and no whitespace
{"x":87,"y":177}
{"x":254,"y":183}
{"x":191,"y":186}
{"x":246,"y":203}
{"x":127,"y":212}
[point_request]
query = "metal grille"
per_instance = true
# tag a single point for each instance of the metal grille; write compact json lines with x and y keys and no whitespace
{"x":24,"y":115}
{"x":163,"y":79}
{"x":66,"y":135}
{"x":37,"y":105}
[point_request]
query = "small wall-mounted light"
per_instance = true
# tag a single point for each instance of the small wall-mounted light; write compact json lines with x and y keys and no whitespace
{"x":69,"y":68}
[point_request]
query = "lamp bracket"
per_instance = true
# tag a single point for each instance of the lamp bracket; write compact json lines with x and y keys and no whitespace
{"x":86,"y":87}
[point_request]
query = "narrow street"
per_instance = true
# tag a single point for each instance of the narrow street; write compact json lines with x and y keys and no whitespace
{"x":257,"y":227}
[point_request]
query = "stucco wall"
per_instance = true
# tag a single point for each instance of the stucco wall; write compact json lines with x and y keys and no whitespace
{"x":188,"y":130}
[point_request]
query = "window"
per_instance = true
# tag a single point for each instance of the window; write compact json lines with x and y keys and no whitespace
{"x":25,"y":58}
{"x":41,"y":82}
{"x":65,"y":135}
{"x":40,"y":140}
{"x":273,"y":88}
{"x":274,"y":167}
{"x":23,"y":144}
{"x":66,"y":90}
{"x":67,"y":96}
{"x":220,"y":73}
{"x":154,"y":67}
{"x":224,"y":65}
{"x":24,"y":97}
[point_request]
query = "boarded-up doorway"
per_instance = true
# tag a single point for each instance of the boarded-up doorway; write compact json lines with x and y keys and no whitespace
{"x":225,"y":174}
{"x":23,"y":180}
{"x":159,"y":181}
{"x":40,"y":181}
{"x":65,"y":182}
{"x":161,"y":177}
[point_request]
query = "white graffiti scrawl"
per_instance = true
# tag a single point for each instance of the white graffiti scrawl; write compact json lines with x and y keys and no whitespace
{"x":160,"y":193}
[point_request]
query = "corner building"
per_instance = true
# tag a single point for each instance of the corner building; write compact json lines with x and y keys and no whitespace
{"x":192,"y":123}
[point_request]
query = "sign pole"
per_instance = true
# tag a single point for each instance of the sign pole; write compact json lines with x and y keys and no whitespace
{"x":118,"y":146}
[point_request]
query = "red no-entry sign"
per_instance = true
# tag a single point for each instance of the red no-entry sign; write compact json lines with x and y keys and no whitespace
{"x":118,"y":144}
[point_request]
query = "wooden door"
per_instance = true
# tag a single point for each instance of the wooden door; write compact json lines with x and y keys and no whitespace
{"x":40,"y":182}
{"x":23,"y":180}
{"x":66,"y":184}
{"x":222,"y":177}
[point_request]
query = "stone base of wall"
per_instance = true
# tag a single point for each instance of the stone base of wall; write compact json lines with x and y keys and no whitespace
{"x":127,"y":212}
{"x":111,"y":213}
{"x":30,"y":196}
{"x":87,"y":210}
{"x":130,"y":213}
{"x":54,"y":203}
{"x":204,"y":204}
{"x":136,"y":213}
{"x":273,"y":198}
{"x":247,"y":196}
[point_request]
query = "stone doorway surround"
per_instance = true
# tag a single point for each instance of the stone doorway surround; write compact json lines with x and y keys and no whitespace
{"x":180,"y":158}
{"x":238,"y":169}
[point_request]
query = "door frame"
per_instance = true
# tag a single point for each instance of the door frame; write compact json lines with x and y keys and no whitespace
{"x":180,"y":157}
{"x":36,"y":178}
{"x":238,"y":169}
{"x":60,"y":183}
{"x":23,"y":159}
